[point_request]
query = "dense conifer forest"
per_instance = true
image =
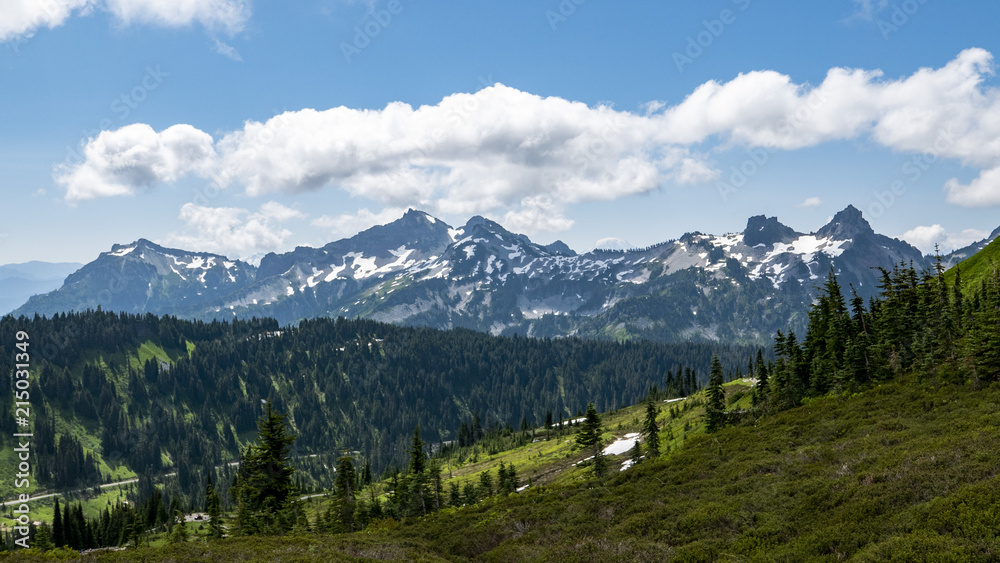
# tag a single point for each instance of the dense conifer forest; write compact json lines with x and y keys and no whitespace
{"x":158,"y":395}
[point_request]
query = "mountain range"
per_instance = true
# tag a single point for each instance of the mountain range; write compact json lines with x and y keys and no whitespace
{"x":418,"y":270}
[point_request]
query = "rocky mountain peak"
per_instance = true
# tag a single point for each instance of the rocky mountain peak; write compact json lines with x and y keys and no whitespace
{"x":767,"y":231}
{"x":846,"y":224}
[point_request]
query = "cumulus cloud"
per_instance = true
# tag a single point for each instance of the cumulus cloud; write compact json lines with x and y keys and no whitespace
{"x":233,"y":231}
{"x":510,"y":154}
{"x":134,"y":157}
{"x":811,"y":202}
{"x":21,"y":18}
{"x":925,"y":237}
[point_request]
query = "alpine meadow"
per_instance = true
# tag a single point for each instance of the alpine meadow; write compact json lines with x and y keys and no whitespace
{"x":563,"y":281}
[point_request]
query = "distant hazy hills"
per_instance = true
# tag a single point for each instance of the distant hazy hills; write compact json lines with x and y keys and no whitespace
{"x":418,"y":270}
{"x":18,"y":282}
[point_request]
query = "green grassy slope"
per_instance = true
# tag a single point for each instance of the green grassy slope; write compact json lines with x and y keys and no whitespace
{"x":897,"y":472}
{"x":976,"y":268}
{"x":900,"y":472}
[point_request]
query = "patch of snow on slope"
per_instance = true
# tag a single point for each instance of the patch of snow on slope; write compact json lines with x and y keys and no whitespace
{"x":807,"y":246}
{"x":363,"y":267}
{"x":728,"y":241}
{"x":515,"y":251}
{"x":334,"y":271}
{"x":123,"y":251}
{"x":525,"y":268}
{"x":622,"y":445}
{"x":311,"y":281}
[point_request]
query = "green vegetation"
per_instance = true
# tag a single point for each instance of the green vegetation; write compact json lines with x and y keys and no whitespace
{"x":263,"y":489}
{"x":978,"y":268}
{"x":872,"y":439}
{"x":118,"y":396}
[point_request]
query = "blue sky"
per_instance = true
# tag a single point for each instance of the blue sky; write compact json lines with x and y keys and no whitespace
{"x":210,"y":124}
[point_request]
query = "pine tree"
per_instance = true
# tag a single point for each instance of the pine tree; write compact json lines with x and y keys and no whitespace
{"x":264,"y":488}
{"x":760,"y":373}
{"x":344,"y":484}
{"x":179,"y":532}
{"x":417,"y":455}
{"x":213,"y":507}
{"x":600,"y":462}
{"x":486,"y":483}
{"x":590,"y":430}
{"x":58,"y":528}
{"x":454,"y":495}
{"x":513,"y":481}
{"x":470,"y":493}
{"x":635,"y":453}
{"x":651,"y":431}
{"x":715,"y":398}
{"x":43,"y":538}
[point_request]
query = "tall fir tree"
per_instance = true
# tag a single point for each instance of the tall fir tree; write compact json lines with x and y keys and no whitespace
{"x":590,"y":430}
{"x":265,"y":490}
{"x":58,"y":527}
{"x":651,"y":430}
{"x":213,"y":507}
{"x":715,"y":404}
{"x":345,"y":493}
{"x":417,"y":456}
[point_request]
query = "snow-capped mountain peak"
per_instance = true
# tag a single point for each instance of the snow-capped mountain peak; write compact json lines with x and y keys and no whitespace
{"x":420,"y":270}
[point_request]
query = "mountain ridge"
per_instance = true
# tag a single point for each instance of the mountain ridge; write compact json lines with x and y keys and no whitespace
{"x":420,"y":271}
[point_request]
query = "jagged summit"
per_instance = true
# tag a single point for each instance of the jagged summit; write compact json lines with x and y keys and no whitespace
{"x":767,"y":231}
{"x":484,"y":223}
{"x":418,"y":270}
{"x":560,"y":248}
{"x":846,"y":224}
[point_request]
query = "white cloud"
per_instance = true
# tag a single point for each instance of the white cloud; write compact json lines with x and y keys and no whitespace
{"x":925,"y":237}
{"x":134,"y":157}
{"x":649,"y":108}
{"x":347,"y":225}
{"x":811,"y":202}
{"x":497,"y":151}
{"x":226,"y":50}
{"x":227,"y":15}
{"x":983,"y":191}
{"x":233,"y":231}
{"x":505,"y":153}
{"x":21,"y":18}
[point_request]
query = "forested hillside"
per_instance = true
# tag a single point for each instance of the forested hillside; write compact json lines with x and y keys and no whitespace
{"x":131,"y":395}
{"x":869,"y":438}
